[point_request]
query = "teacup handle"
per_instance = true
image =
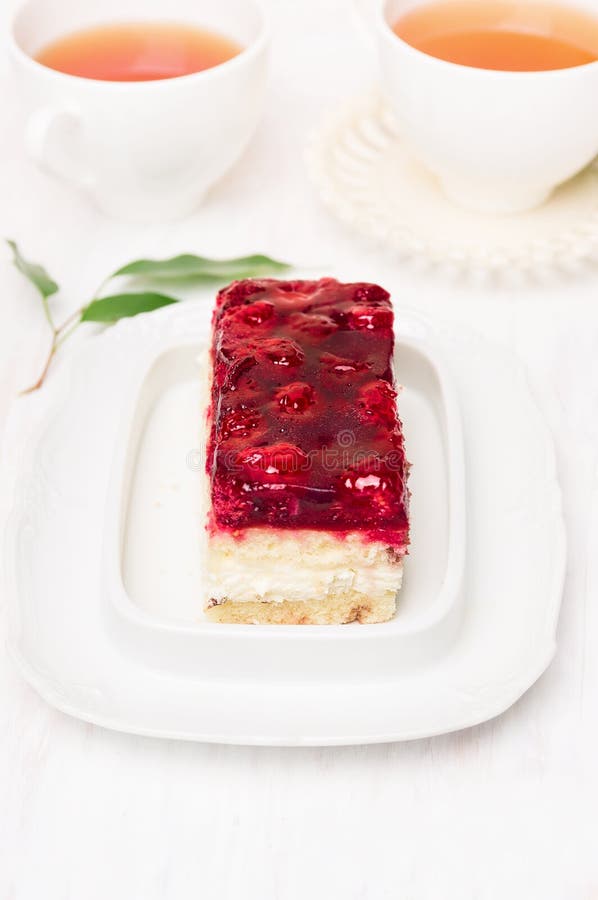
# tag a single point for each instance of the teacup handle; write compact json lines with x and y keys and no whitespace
{"x":49,"y":142}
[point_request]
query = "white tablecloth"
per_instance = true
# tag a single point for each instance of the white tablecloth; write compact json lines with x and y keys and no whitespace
{"x":504,"y":810}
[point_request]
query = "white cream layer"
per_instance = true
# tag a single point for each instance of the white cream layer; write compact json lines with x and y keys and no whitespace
{"x":272,"y":565}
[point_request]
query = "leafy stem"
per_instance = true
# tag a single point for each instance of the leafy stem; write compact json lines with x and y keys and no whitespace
{"x":186,"y":269}
{"x":59,"y":335}
{"x":48,"y":314}
{"x":42,"y":377}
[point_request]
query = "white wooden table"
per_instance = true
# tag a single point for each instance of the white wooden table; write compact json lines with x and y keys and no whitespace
{"x":504,"y":810}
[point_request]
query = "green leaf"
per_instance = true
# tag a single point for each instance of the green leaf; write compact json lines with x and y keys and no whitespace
{"x":122,"y":306}
{"x":36,"y":274}
{"x":200,"y":268}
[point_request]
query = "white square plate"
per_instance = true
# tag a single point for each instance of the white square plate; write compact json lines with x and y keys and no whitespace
{"x":103,"y":563}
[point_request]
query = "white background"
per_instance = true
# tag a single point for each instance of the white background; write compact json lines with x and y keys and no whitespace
{"x":504,"y":810}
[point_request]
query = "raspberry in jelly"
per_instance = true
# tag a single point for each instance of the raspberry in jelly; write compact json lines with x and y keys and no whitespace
{"x":304,"y":430}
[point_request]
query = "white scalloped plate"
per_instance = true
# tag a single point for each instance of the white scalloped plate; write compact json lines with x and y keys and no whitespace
{"x":367,"y":179}
{"x":118,"y":661}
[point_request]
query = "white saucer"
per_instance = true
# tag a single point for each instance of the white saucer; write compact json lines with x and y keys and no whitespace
{"x":101,"y":554}
{"x":367,"y":178}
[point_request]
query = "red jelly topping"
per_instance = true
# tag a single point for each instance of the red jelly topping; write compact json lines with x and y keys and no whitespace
{"x":304,"y":428}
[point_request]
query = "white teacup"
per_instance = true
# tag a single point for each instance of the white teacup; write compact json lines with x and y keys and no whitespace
{"x":499,"y":142}
{"x":145,"y":150}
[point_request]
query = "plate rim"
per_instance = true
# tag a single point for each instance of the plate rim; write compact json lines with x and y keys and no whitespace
{"x":43,"y":687}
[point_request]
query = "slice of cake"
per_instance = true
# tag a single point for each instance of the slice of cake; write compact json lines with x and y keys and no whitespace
{"x":306,"y":470}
